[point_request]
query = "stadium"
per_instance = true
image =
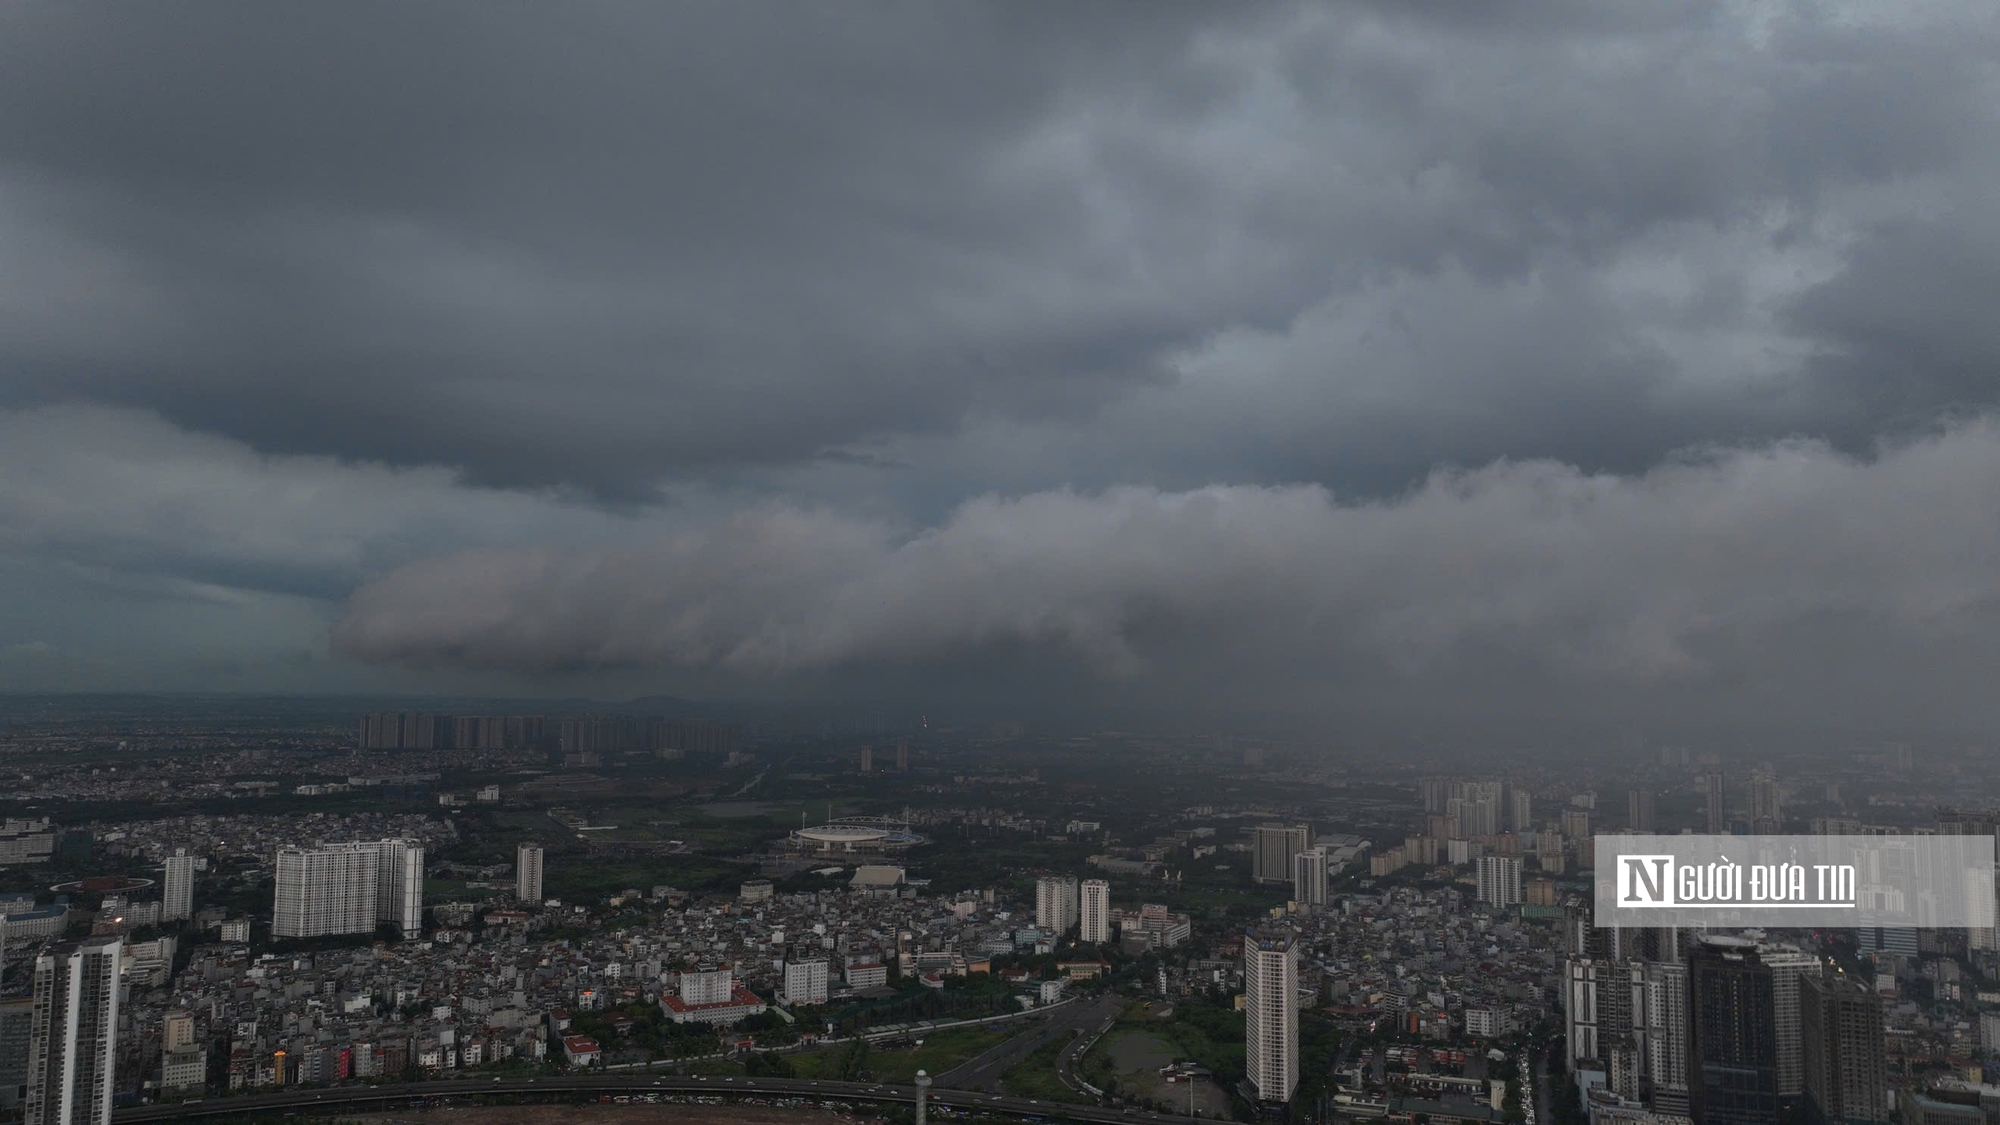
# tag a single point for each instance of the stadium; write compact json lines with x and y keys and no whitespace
{"x":858,"y":834}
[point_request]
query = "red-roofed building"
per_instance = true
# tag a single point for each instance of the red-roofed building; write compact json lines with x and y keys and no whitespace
{"x":741,"y":1005}
{"x":581,"y":1050}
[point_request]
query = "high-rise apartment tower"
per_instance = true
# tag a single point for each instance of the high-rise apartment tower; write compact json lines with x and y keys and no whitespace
{"x":73,"y":1037}
{"x":1094,"y":923}
{"x":1273,"y":849}
{"x":177,"y":896}
{"x":1271,"y":1015}
{"x":528,"y":873}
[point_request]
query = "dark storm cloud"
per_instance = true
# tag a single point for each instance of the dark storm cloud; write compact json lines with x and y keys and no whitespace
{"x":296,"y":296}
{"x":633,"y":238}
{"x":1570,"y":582}
{"x":612,"y":244}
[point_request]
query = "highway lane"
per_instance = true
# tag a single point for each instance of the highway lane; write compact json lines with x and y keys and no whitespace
{"x":1101,"y":1017}
{"x":357,"y":1097}
{"x":983,"y":1072}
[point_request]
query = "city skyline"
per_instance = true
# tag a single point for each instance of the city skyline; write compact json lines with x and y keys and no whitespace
{"x":1338,"y":934}
{"x":1140,"y":563}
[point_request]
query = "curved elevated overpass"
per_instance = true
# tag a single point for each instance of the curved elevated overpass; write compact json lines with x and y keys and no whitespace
{"x":361,"y":1097}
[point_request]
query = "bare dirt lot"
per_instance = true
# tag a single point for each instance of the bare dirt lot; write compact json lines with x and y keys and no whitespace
{"x":615,"y":1115}
{"x":1138,"y":1055}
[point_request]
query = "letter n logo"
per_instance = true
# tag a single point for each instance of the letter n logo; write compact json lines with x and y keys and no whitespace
{"x":1645,"y":880}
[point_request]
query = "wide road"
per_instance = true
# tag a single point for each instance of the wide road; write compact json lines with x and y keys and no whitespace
{"x":383,"y":1097}
{"x":1093,"y":1029}
{"x":983,"y":1071}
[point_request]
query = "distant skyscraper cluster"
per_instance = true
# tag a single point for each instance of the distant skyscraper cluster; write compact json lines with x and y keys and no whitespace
{"x":349,"y":889}
{"x":1467,"y":820}
{"x":1639,"y":811}
{"x":414,"y":730}
{"x":900,"y":752}
{"x":1477,"y":808}
{"x":590,"y":734}
{"x":601,"y":734}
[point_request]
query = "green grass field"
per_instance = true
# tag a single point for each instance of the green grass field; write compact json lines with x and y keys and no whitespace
{"x":1035,"y":1076}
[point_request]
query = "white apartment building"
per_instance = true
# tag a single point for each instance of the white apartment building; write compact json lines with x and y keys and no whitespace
{"x":324,"y":891}
{"x":1271,"y":1011}
{"x":1272,"y":849}
{"x":1659,"y":992}
{"x":1095,"y":919}
{"x":1788,"y":963}
{"x":177,"y":896}
{"x":1585,"y":983}
{"x":805,"y":982}
{"x":1309,"y":870}
{"x":73,"y":1034}
{"x":711,"y":996}
{"x":400,"y":885}
{"x":1056,"y":905}
{"x":528,"y":873}
{"x":1500,"y":880}
{"x":867,"y":974}
{"x":1520,"y":810}
{"x":710,"y":987}
{"x":348,"y":888}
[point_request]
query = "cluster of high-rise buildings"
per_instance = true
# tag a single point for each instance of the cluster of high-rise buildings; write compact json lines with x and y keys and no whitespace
{"x":902,"y":757}
{"x":590,"y":734}
{"x":67,"y":1030}
{"x":603,"y":734}
{"x":1464,"y":821}
{"x":1063,"y":903}
{"x":1728,"y":1030}
{"x":1477,"y":808}
{"x":1765,"y":814}
{"x":415,"y":730}
{"x":1290,"y":853}
{"x":1059,"y":902}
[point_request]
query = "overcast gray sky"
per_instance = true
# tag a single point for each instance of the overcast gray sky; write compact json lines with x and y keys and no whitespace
{"x":1551,"y":353}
